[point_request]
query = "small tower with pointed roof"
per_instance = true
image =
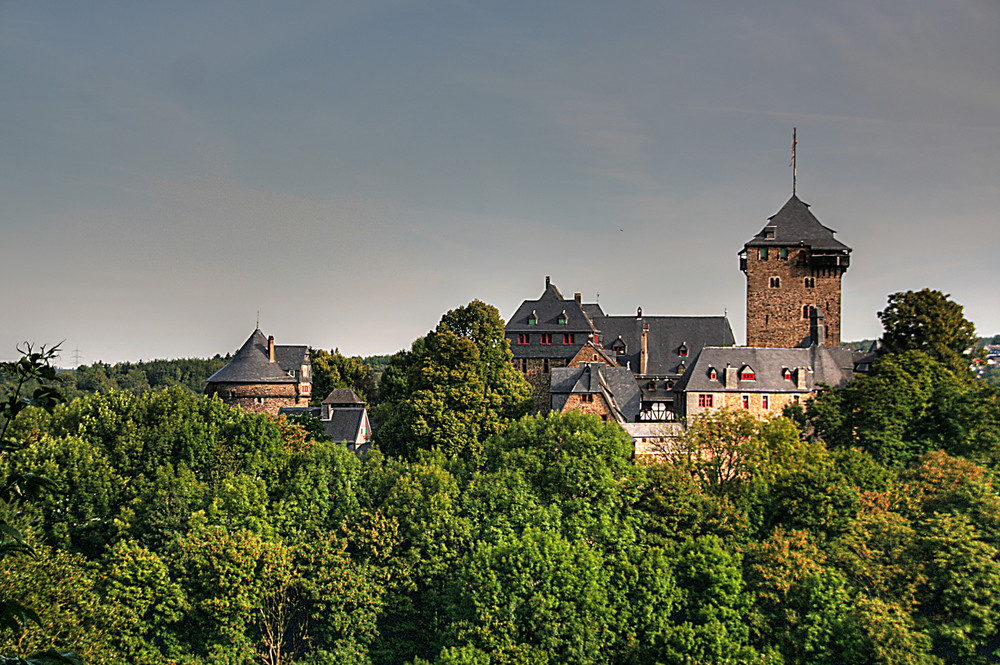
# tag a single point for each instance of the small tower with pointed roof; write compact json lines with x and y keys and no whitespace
{"x":793,"y":266}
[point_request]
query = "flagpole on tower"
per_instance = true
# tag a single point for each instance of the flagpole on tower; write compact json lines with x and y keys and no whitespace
{"x":795,"y":173}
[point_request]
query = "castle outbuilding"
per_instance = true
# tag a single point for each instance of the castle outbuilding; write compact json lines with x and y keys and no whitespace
{"x":793,"y":266}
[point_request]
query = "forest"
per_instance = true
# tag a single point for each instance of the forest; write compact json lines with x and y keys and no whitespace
{"x":862,"y":529}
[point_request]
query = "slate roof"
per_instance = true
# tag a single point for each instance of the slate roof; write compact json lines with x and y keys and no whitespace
{"x":795,"y":225}
{"x":819,"y":362}
{"x":251,"y":363}
{"x":664,"y":340}
{"x":616,"y":383}
{"x":343,"y":396}
{"x":344,"y":424}
{"x":546,"y":312}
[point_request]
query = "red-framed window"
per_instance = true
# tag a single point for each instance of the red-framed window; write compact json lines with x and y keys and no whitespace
{"x":787,"y":374}
{"x":747,"y":374}
{"x":546,"y":338}
{"x":765,"y":402}
{"x":713,"y":375}
{"x":568,"y":338}
{"x":523,"y":338}
{"x":746,"y":401}
{"x":705,"y":400}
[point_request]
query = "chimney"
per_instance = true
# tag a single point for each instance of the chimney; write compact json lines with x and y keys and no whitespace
{"x":644,"y":349}
{"x":817,"y":327}
{"x":730,"y":383}
{"x":547,"y":281}
{"x":270,"y":348}
{"x":579,"y":298}
{"x":800,"y":378}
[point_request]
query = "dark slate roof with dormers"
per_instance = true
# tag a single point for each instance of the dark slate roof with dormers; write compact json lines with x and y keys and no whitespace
{"x":546,"y":312}
{"x":818,"y":362}
{"x":666,"y":336}
{"x":795,"y":225}
{"x":616,"y":383}
{"x":251,"y":363}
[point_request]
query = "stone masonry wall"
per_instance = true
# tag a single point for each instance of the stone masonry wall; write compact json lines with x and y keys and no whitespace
{"x":540,"y":378}
{"x":734,"y":400}
{"x":598,"y":407}
{"x":259,"y":397}
{"x":774,"y":314}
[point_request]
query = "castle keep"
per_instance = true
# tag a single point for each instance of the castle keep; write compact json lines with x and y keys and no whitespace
{"x":793,"y":266}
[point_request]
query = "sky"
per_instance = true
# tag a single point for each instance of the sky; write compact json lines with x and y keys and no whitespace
{"x":349,"y":171}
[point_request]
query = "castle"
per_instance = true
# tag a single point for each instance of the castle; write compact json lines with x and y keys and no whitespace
{"x":655,"y":369}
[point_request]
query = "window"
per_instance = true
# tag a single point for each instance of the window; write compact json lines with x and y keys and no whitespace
{"x":713,"y":374}
{"x":787,"y":374}
{"x":796,"y":398}
{"x":705,"y":400}
{"x":683,"y":351}
{"x":523,"y":338}
{"x":746,"y":401}
{"x":747,"y":374}
{"x":545,"y":366}
{"x":765,"y":402}
{"x":587,"y":398}
{"x":806,"y":311}
{"x":810,"y":282}
{"x":783,"y":252}
{"x":532,"y":320}
{"x":562,"y":319}
{"x":762,"y":253}
{"x":546,"y":338}
{"x":619,"y":350}
{"x":775,"y":282}
{"x":568,"y":338}
{"x":651,"y":385}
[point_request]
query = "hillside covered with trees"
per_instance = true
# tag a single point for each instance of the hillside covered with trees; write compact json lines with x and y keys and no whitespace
{"x":865,"y":529}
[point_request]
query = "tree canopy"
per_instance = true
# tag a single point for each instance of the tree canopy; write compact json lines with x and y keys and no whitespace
{"x":930,"y":322}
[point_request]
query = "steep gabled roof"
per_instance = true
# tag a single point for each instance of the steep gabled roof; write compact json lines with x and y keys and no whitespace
{"x":795,"y":225}
{"x":616,"y":383}
{"x":664,"y":339}
{"x":344,"y":425}
{"x":547,"y":311}
{"x":251,"y":365}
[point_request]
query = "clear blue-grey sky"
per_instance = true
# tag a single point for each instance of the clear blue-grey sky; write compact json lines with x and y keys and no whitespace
{"x":352,"y":170}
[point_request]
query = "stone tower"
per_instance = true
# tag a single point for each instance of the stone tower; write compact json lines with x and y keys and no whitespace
{"x":793,"y":266}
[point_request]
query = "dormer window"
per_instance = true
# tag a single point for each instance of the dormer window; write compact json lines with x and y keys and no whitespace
{"x":562,"y":318}
{"x":291,"y":373}
{"x":651,"y":385}
{"x":747,"y":374}
{"x":681,"y":368}
{"x":683,"y":351}
{"x":713,"y":374}
{"x":533,"y":319}
{"x":787,"y":374}
{"x":769,"y":233}
{"x":619,"y":347}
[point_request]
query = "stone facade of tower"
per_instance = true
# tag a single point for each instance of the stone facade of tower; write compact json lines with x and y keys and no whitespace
{"x":792,"y":266}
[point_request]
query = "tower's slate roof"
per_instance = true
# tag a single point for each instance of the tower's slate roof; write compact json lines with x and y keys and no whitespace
{"x":343,"y":396}
{"x":251,"y":363}
{"x":795,"y":225}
